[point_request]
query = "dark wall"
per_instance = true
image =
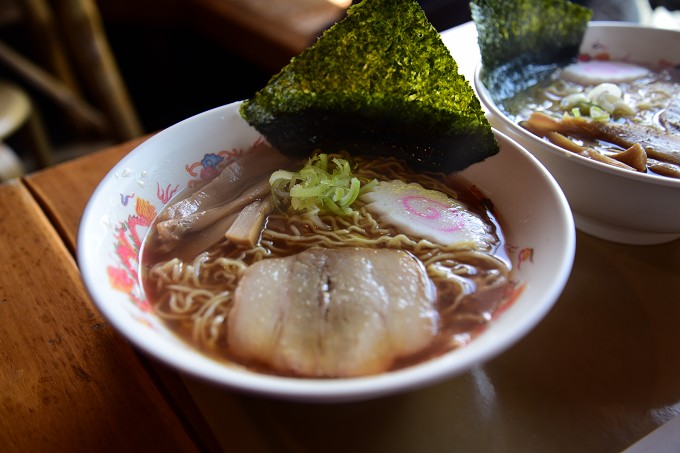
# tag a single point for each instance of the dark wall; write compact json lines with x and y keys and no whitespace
{"x":172,"y":72}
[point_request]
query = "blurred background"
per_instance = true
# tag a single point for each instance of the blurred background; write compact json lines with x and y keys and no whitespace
{"x":80,"y":75}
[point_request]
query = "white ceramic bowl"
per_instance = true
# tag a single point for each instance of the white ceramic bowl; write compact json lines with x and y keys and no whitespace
{"x":536,"y":215}
{"x":608,"y":202}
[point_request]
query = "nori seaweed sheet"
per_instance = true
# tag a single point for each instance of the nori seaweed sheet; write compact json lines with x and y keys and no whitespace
{"x":522,"y":42}
{"x":379,"y":82}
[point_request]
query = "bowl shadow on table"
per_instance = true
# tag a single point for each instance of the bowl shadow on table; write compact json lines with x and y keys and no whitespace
{"x":597,"y":374}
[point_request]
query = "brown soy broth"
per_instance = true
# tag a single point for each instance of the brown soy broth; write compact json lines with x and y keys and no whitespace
{"x":458,"y":325}
{"x":651,"y":97}
{"x":546,"y":96}
{"x":475,"y":312}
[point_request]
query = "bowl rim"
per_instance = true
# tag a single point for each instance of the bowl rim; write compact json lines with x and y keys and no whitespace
{"x":487,"y":101}
{"x":306,"y":389}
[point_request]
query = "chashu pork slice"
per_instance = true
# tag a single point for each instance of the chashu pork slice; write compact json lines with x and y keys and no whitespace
{"x":333,"y":312}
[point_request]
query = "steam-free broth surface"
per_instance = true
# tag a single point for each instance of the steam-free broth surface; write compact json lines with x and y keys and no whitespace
{"x":620,"y":113}
{"x":469,"y":282}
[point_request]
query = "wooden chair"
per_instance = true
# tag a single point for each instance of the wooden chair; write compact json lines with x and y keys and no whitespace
{"x":17,"y":114}
{"x":71,"y":64}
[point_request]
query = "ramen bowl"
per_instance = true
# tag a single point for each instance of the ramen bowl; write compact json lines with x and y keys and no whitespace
{"x":610,"y":203}
{"x":536,"y":217}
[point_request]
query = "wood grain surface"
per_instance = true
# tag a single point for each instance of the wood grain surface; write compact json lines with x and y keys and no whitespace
{"x":69,"y":382}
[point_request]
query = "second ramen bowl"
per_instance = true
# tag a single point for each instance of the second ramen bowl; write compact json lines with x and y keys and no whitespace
{"x":607,"y":202}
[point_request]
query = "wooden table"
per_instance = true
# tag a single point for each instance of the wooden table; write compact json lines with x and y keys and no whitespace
{"x":601,"y":371}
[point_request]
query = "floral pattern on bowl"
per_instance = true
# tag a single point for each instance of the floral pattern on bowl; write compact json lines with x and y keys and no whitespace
{"x":130,"y":231}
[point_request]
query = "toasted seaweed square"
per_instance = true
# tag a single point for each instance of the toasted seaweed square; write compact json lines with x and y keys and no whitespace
{"x":382,"y":82}
{"x":524,"y":41}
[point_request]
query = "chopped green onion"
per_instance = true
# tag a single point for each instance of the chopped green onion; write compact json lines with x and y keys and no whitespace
{"x":598,"y":114}
{"x":368,"y":187}
{"x":321,"y":186}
